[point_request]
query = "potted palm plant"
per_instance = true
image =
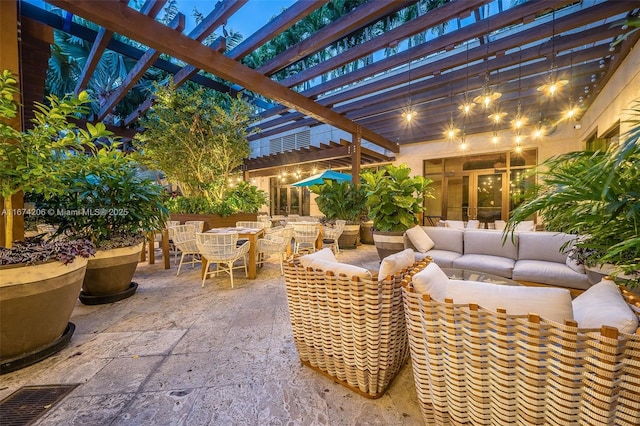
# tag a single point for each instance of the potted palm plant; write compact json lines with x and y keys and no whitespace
{"x":39,"y":281}
{"x":594,"y":195}
{"x":108,"y":201}
{"x":345,"y":201}
{"x":393,"y":199}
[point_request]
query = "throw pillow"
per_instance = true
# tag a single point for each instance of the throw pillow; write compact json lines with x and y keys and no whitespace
{"x":420,"y":239}
{"x":432,"y":281}
{"x":325,"y":254}
{"x":550,"y":303}
{"x":396,"y":262}
{"x":603,"y":304}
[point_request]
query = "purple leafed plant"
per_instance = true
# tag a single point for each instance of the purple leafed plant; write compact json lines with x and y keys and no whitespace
{"x":36,"y":250}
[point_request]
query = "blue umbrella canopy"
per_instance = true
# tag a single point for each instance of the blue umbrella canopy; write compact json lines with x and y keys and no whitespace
{"x":319,"y":178}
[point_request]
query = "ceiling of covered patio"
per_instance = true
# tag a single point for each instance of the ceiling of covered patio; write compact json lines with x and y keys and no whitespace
{"x":363,"y":72}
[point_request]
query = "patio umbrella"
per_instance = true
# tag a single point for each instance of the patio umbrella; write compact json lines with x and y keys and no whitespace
{"x":319,"y":178}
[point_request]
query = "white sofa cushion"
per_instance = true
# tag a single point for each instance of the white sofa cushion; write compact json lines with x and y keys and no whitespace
{"x":496,"y":265}
{"x":541,"y":271}
{"x":456,"y":224}
{"x":420,"y":239}
{"x":578,"y":267}
{"x":446,"y":238}
{"x":432,"y":281}
{"x":395,"y":263}
{"x":489,"y":242}
{"x":473,"y":224}
{"x":603,"y":304}
{"x":308,"y":260}
{"x":342,"y":268}
{"x":443,"y":258}
{"x":550,"y":303}
{"x":544,"y":246}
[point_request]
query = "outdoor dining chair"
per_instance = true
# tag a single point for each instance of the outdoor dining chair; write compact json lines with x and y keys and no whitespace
{"x":221,"y":248}
{"x":331,"y":234}
{"x":198,"y":224}
{"x":250,"y":224}
{"x":184,"y":239}
{"x":276,"y":243}
{"x":305,"y":237}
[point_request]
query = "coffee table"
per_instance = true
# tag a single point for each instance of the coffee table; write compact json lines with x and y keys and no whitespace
{"x":469,"y":275}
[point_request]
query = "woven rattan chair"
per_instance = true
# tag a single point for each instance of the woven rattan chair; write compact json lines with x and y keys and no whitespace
{"x":473,"y":366}
{"x":250,"y":224}
{"x":184,"y":239}
{"x":198,"y":224}
{"x":331,"y":234}
{"x":221,"y":249}
{"x":275,"y":243}
{"x":349,"y":328}
{"x":305,"y":237}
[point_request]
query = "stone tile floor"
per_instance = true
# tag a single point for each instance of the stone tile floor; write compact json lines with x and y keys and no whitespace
{"x":178,"y":354}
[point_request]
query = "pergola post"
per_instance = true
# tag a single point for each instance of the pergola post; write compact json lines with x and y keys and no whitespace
{"x":10,"y":59}
{"x":356,"y":155}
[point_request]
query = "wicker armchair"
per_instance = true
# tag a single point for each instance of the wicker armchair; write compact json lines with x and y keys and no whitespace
{"x":223,"y":250}
{"x":473,"y":366}
{"x":305,"y":237}
{"x":348,"y":328}
{"x":184,"y":239}
{"x":331,"y":234}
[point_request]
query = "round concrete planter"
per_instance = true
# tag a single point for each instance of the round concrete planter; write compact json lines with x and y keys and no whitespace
{"x":36,"y":302}
{"x":350,"y":237}
{"x":388,"y":243}
{"x":109,"y":274}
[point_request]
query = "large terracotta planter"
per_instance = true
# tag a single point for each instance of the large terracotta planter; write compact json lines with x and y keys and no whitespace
{"x":109,"y":274}
{"x":36,"y":302}
{"x":215,"y":220}
{"x":388,"y":243}
{"x":350,"y":237}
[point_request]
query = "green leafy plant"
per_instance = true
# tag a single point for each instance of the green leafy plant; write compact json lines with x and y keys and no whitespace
{"x":197,"y":137}
{"x":36,"y":160}
{"x":595,"y":195}
{"x":243,"y":197}
{"x":106,"y":200}
{"x":37,"y":250}
{"x":394,"y":198}
{"x":340,"y":200}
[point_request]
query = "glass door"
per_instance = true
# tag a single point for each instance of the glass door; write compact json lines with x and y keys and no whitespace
{"x":476,"y":195}
{"x":286,"y":200}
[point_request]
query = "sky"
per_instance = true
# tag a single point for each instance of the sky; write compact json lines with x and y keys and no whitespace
{"x":252,"y":16}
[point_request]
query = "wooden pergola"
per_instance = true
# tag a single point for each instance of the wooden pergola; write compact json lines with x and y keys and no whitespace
{"x":498,"y":44}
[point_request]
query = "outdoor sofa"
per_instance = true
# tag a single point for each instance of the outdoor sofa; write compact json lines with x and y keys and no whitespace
{"x":535,"y":257}
{"x":484,"y":353}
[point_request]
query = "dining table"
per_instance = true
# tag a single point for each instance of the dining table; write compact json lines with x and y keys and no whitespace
{"x":250,"y":234}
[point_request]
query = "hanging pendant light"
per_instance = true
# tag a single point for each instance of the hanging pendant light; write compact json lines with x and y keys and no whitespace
{"x":409,"y":113}
{"x":553,"y":84}
{"x":467,"y":105}
{"x":488,"y":96}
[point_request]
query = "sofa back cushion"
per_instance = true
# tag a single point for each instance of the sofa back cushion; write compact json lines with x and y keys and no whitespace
{"x":548,"y":302}
{"x":432,"y":281}
{"x":543,"y":246}
{"x":448,"y":239}
{"x":489,"y":242}
{"x":395,"y":263}
{"x":456,"y":224}
{"x":603,"y":304}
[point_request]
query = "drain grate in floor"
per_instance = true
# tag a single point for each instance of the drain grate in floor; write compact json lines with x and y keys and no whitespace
{"x":28,"y":403}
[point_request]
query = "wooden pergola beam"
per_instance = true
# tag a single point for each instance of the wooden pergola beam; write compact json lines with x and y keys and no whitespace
{"x":150,"y":8}
{"x":285,"y":20}
{"x":126,"y":21}
{"x":137,"y":71}
{"x":341,"y":27}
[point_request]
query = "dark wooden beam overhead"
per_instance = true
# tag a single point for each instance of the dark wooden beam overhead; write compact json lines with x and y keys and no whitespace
{"x":432,"y":19}
{"x":137,"y":71}
{"x":126,"y":21}
{"x":343,"y":26}
{"x":150,"y":8}
{"x":285,"y":20}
